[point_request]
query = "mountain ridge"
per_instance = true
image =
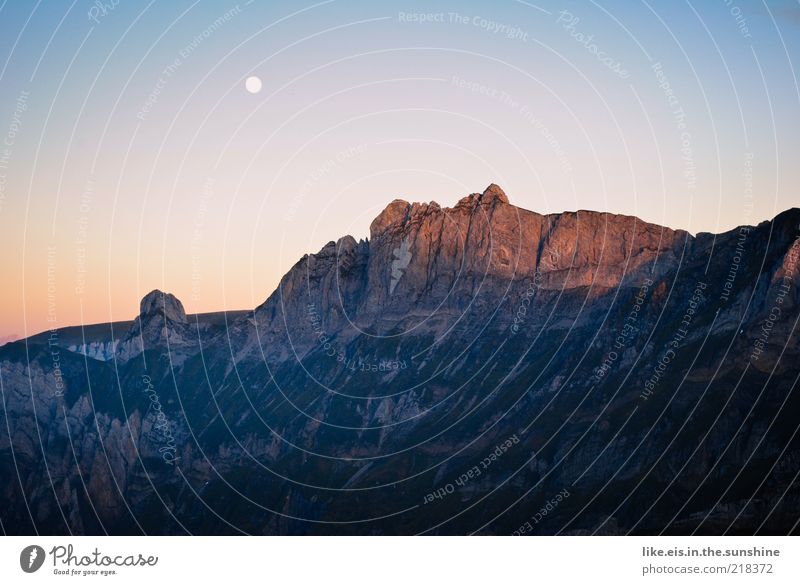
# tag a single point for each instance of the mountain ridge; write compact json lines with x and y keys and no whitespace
{"x":616,"y":358}
{"x":491,"y":194}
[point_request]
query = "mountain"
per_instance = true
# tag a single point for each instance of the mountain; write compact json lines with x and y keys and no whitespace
{"x":475,"y":369}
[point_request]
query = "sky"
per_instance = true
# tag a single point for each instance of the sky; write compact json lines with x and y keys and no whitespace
{"x":133,"y":156}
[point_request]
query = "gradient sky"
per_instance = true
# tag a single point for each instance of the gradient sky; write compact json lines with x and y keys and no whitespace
{"x":210,"y":192}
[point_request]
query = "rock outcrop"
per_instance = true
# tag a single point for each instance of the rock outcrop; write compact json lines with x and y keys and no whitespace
{"x":161,"y":323}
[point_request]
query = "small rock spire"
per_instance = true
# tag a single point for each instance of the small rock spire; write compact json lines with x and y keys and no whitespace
{"x":493,"y":192}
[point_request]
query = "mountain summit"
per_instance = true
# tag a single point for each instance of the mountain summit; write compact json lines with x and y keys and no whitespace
{"x":424,"y":264}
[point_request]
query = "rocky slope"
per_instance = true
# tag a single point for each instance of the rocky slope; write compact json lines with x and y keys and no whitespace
{"x":480,"y":368}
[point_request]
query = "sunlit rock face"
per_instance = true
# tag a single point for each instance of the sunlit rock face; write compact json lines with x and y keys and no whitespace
{"x":648,"y":372}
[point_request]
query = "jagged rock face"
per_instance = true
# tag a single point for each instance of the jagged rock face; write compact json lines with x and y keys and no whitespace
{"x":423,"y":264}
{"x":595,"y":352}
{"x":452,"y":251}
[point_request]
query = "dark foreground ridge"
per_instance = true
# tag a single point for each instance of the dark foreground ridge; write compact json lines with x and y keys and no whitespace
{"x":480,"y":368}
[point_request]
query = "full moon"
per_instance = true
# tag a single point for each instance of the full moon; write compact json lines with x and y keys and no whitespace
{"x":253,"y":84}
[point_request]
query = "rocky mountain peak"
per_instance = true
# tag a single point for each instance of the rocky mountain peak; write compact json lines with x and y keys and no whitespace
{"x":161,"y":321}
{"x":160,"y":304}
{"x":395,"y":213}
{"x":491,"y":195}
{"x":494,"y":192}
{"x":422,"y":258}
{"x":400,"y":213}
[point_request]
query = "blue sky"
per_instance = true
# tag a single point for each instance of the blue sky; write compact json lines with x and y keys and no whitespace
{"x":684,"y":114}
